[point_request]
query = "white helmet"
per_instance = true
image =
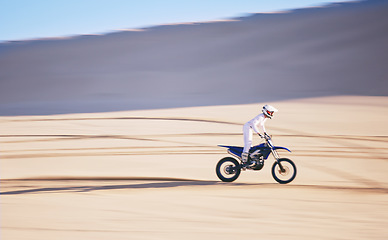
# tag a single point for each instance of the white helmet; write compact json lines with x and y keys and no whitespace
{"x":268,"y":111}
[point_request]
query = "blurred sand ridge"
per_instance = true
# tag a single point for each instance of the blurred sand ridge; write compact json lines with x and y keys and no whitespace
{"x":335,"y":50}
{"x":115,"y":136}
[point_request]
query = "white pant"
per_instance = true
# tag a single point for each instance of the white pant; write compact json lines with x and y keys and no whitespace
{"x":248,"y":131}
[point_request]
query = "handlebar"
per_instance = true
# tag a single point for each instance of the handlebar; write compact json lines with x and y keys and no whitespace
{"x":268,"y":139}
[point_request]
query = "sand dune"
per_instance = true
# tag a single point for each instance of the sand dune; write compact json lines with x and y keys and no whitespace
{"x":335,"y":50}
{"x":93,"y":172}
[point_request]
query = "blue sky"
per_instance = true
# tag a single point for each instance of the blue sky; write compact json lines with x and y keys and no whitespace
{"x":31,"y":19}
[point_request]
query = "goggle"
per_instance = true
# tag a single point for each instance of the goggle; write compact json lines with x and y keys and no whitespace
{"x":270,"y":113}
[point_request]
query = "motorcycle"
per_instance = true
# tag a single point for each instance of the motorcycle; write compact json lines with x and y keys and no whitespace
{"x":228,"y":169}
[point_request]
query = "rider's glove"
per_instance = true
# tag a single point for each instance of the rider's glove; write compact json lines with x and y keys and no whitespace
{"x":261,"y":135}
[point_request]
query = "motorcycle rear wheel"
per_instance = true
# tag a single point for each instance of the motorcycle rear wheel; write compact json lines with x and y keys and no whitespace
{"x":289,"y":171}
{"x":228,"y":169}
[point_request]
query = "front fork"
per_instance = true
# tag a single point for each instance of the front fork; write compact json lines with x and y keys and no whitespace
{"x":276,"y":156}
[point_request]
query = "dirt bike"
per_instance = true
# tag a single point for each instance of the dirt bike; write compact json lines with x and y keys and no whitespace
{"x":228,"y":169}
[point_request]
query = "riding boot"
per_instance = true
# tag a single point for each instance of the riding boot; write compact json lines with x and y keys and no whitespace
{"x":244,"y":157}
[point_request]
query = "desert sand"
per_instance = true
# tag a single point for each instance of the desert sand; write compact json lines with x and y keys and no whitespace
{"x":115,"y":136}
{"x":151,"y":174}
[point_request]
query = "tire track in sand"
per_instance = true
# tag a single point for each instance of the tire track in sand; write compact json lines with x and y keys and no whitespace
{"x":345,"y":141}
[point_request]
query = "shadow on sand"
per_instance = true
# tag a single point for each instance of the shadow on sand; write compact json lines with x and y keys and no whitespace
{"x":73,"y":184}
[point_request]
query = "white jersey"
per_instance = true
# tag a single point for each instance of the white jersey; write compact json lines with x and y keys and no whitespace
{"x":257,"y":123}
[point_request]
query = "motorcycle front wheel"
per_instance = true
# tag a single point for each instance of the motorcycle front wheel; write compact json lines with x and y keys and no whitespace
{"x":286,"y":173}
{"x":228,"y":169}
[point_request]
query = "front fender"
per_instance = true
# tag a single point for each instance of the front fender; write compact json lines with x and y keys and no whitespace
{"x":277,"y":147}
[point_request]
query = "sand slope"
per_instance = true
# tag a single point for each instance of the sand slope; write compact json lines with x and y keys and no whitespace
{"x":335,"y":50}
{"x":150,"y":174}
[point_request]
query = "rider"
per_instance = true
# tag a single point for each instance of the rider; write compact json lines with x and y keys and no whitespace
{"x":256,"y":123}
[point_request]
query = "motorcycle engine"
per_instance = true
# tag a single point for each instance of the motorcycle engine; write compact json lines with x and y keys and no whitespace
{"x":257,"y":161}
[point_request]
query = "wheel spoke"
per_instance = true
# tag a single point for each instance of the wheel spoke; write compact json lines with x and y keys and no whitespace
{"x":284,"y":171}
{"x":228,"y":169}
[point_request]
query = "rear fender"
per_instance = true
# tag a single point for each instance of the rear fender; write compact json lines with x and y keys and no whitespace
{"x":233,"y":150}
